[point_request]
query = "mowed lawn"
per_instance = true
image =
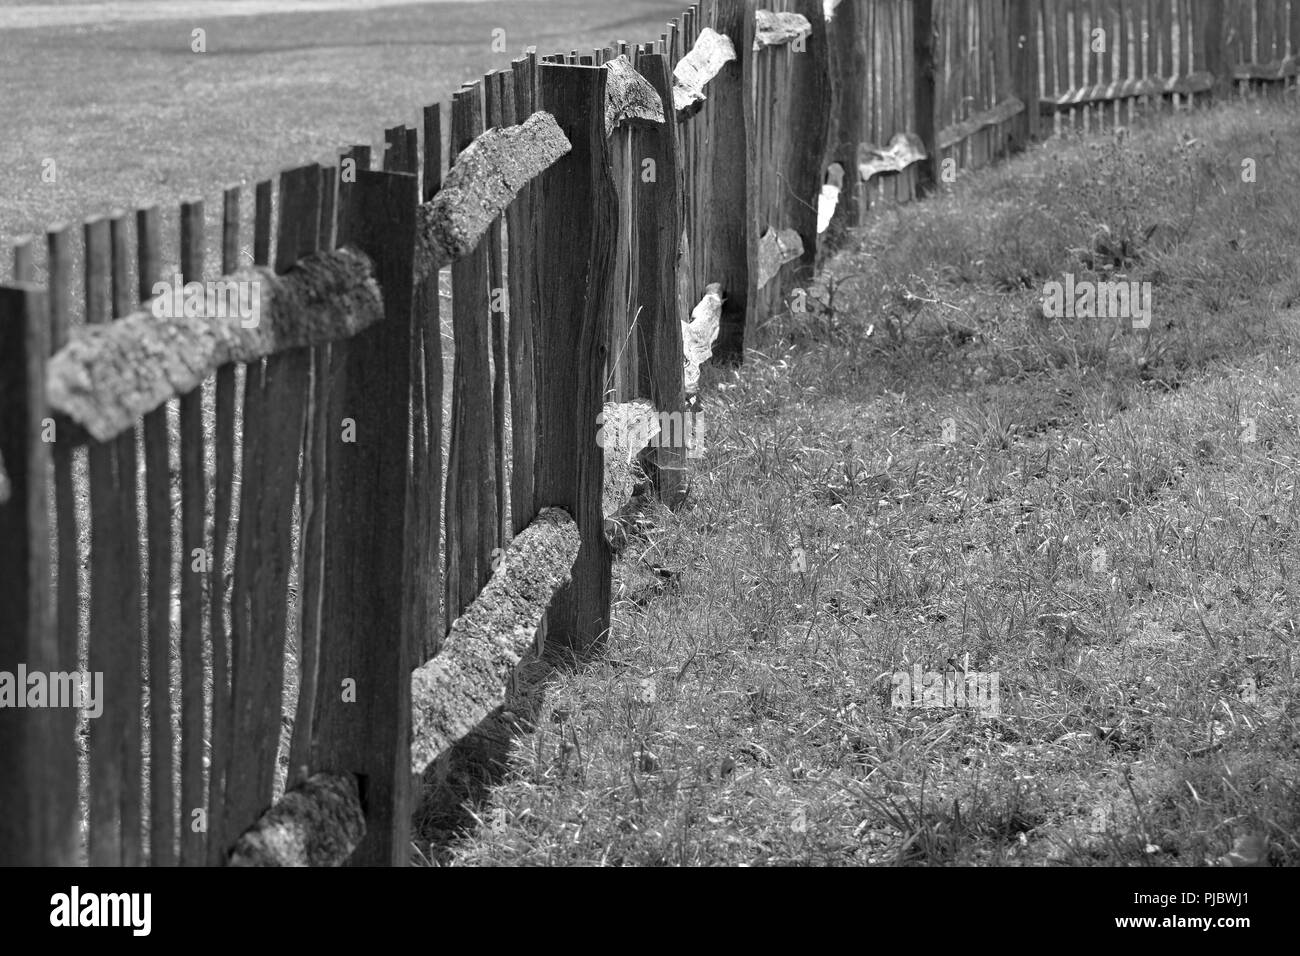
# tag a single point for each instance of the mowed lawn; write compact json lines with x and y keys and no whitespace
{"x":129,"y":115}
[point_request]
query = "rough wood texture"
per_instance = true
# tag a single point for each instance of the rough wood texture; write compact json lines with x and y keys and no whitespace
{"x":922,"y":106}
{"x":487,"y":175}
{"x":39,"y":824}
{"x":952,"y":135}
{"x":108,"y":376}
{"x":319,"y":822}
{"x":471,"y":479}
{"x":363,"y":711}
{"x":1023,"y":41}
{"x":523,"y":282}
{"x":110,"y":643}
{"x":193,"y":501}
{"x":577,"y":200}
{"x":810,"y":103}
{"x":777,"y":29}
{"x":222,"y":500}
{"x":732,"y":244}
{"x":454,"y":691}
{"x":774,"y":250}
{"x":158,"y":518}
{"x":629,"y":99}
{"x":128,"y":677}
{"x":711,"y":52}
{"x":426,"y":384}
{"x":63,"y":760}
{"x":275,"y":399}
{"x":659,"y":224}
{"x":495,"y":113}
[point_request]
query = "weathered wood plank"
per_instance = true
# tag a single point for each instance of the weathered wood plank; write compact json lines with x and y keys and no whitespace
{"x":193,"y":568}
{"x":658,"y":224}
{"x":471,"y":490}
{"x":129,"y":686}
{"x":222,"y":499}
{"x":809,"y":110}
{"x":523,"y":282}
{"x":577,"y":199}
{"x":363,"y":713}
{"x":158,"y":520}
{"x":426,"y":384}
{"x":1007,"y":109}
{"x":1152,"y":86}
{"x":39,"y":825}
{"x":453,"y":692}
{"x":495,"y":106}
{"x":275,"y":398}
{"x":110,"y":640}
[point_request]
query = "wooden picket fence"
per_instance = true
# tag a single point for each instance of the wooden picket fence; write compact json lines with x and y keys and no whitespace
{"x":187,"y":499}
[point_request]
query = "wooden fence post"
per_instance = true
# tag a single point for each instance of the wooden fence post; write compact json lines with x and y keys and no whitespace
{"x":576,"y":229}
{"x":1023,"y":44}
{"x":927,"y":170}
{"x":658,"y":329}
{"x":846,"y":47}
{"x":472,"y":514}
{"x":1216,"y":42}
{"x":732,"y":242}
{"x":363,"y":711}
{"x":38,"y":783}
{"x":809,"y":111}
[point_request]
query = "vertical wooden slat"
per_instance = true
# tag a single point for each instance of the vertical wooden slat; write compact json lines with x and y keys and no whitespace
{"x":224,"y":473}
{"x":522,"y":276}
{"x":576,"y":198}
{"x":471,"y":486}
{"x":731,"y":239}
{"x":275,"y":402}
{"x":495,"y":114}
{"x":110,"y":640}
{"x":363,"y":711}
{"x":126,"y":491}
{"x":38,"y":825}
{"x":193,"y":503}
{"x":1024,"y":41}
{"x":923,"y":92}
{"x":158,"y":517}
{"x":658,"y":222}
{"x":1121,"y":11}
{"x":63,"y":799}
{"x":1215,"y":45}
{"x":426,"y":384}
{"x":1064,"y":58}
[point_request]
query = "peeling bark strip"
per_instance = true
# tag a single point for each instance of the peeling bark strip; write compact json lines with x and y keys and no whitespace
{"x":317,"y":823}
{"x":111,"y":374}
{"x":952,"y":135}
{"x":775,"y":29}
{"x":712,"y":51}
{"x":903,"y":150}
{"x":775,"y":249}
{"x":629,"y":98}
{"x":486,"y":178}
{"x":453,"y":692}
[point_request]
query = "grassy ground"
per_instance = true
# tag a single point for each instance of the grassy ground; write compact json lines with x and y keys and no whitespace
{"x":128,"y":115}
{"x":1097,"y":528}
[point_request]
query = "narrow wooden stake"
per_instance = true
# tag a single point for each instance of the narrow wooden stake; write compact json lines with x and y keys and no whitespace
{"x":39,"y":824}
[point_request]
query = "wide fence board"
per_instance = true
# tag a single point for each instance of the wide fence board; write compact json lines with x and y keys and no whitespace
{"x":471,"y":476}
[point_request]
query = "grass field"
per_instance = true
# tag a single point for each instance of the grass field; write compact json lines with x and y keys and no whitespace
{"x":130,"y":116}
{"x":741,"y":711}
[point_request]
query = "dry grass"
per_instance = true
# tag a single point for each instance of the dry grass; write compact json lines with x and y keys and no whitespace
{"x":740,"y":711}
